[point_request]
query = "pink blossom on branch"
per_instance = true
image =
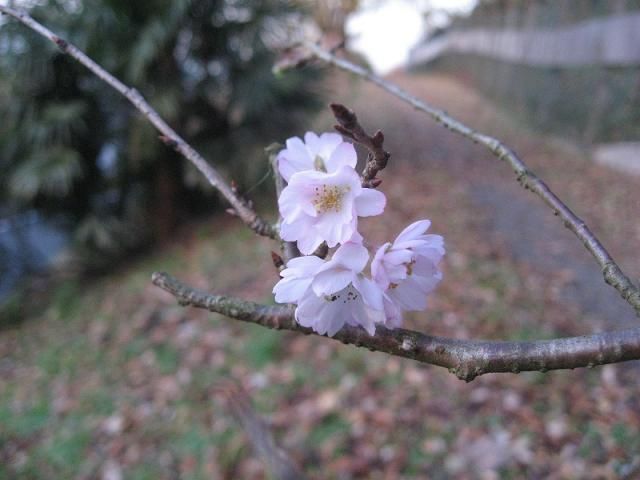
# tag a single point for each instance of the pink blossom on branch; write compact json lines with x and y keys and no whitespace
{"x":407,"y":270}
{"x":321,"y":207}
{"x":330,"y":294}
{"x":324,"y":153}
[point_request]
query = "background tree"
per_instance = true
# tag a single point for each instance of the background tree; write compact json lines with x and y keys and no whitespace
{"x":79,"y":152}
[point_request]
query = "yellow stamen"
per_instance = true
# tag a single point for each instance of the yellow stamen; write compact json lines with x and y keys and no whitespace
{"x":328,"y":198}
{"x":410,"y":267}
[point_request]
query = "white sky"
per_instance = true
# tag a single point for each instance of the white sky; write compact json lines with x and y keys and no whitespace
{"x":385,"y":30}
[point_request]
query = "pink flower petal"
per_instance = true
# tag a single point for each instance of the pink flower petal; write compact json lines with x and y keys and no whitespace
{"x":370,"y":202}
{"x":370,"y":291}
{"x":291,"y":289}
{"x":393,"y":313}
{"x":331,"y":281}
{"x":413,"y":231}
{"x":292,"y":231}
{"x":294,"y":158}
{"x":307,"y":265}
{"x":352,"y":256}
{"x":409,"y":296}
{"x":309,"y":241}
{"x":344,"y":155}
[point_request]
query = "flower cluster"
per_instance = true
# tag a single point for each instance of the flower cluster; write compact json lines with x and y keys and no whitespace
{"x":321,"y":203}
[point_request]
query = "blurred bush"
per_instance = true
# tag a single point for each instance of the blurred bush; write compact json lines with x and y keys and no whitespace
{"x":72,"y":147}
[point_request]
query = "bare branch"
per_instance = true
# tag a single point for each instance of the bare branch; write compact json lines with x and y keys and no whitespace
{"x":466,"y":359}
{"x":350,"y":127}
{"x":169,"y":136}
{"x":613,"y":274}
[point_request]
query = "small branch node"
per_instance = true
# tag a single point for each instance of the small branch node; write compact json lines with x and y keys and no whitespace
{"x":349,"y":127}
{"x":408,"y":345}
{"x":168,"y":141}
{"x":277,"y":261}
{"x":62,"y":44}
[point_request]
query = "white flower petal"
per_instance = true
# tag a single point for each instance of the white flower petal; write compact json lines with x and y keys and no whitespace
{"x":296,"y":278}
{"x":312,"y":142}
{"x":292,"y":231}
{"x":393,"y":313}
{"x":413,"y":231}
{"x":320,"y":315}
{"x":291,"y":289}
{"x":352,"y":256}
{"x":409,"y":296}
{"x":307,"y":265}
{"x":329,"y":141}
{"x":424,"y":267}
{"x":333,"y":229}
{"x":426,"y":284}
{"x":344,"y":155}
{"x":370,"y":202}
{"x":361,"y":316}
{"x":309,"y":309}
{"x":294,"y":158}
{"x":378,"y":271}
{"x":370,"y":291}
{"x":398,"y":257}
{"x":308,"y":241}
{"x":294,"y":204}
{"x":331,"y":281}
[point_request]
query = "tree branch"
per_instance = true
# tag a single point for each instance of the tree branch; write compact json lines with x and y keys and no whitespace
{"x":466,"y":359}
{"x":169,"y":136}
{"x":613,"y":274}
{"x":238,"y":403}
{"x":350,"y":127}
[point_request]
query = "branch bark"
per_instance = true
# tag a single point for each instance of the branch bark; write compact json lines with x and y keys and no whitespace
{"x":467,"y":359}
{"x":377,"y":158}
{"x":612,"y":273}
{"x":168,"y":136}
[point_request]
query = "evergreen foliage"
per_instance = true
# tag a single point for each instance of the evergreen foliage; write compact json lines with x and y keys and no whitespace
{"x":70,"y":146}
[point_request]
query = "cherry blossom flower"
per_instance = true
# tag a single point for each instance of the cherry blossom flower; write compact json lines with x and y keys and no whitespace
{"x":296,"y":278}
{"x":330,"y":294}
{"x":321,"y":207}
{"x":407,"y":270}
{"x":324,"y":153}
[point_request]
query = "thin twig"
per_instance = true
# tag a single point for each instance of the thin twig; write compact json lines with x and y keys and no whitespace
{"x":466,"y":359}
{"x":349,"y":126}
{"x":238,"y":403}
{"x":613,"y":274}
{"x":168,"y":137}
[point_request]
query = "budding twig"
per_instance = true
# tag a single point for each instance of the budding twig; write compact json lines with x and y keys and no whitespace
{"x":169,"y":136}
{"x":277,"y":261}
{"x":377,"y":157}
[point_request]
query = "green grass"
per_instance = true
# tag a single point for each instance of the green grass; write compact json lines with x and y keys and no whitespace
{"x":26,"y":422}
{"x":263,"y":346}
